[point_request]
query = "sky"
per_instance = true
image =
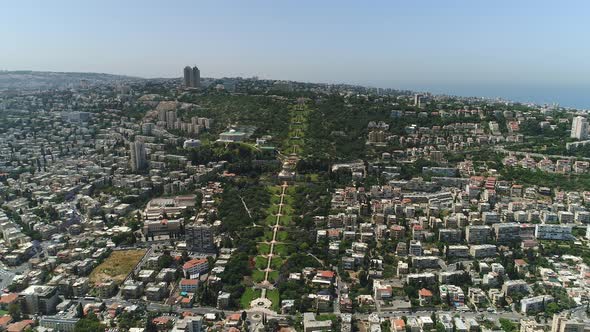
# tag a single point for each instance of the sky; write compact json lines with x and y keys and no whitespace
{"x":522,"y":50}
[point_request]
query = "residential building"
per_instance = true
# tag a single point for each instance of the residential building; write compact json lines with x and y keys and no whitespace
{"x":563,"y":323}
{"x":189,"y":285}
{"x":579,"y":128}
{"x":39,"y":299}
{"x":195,"y":267}
{"x":199,"y":237}
{"x":553,"y":232}
{"x":511,"y":287}
{"x":477,"y":234}
{"x":138,"y":155}
{"x":507,"y":232}
{"x":535,"y":304}
{"x":478,"y":251}
{"x":459,"y":251}
{"x":310,"y":324}
{"x":194,"y":323}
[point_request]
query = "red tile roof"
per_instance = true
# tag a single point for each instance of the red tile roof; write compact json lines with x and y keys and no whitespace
{"x":189,"y":282}
{"x":5,"y":320}
{"x":194,"y":262}
{"x":425,"y":292}
{"x":161,"y":320}
{"x":235,"y":317}
{"x":8,"y":298}
{"x":20,"y":326}
{"x":326,"y":274}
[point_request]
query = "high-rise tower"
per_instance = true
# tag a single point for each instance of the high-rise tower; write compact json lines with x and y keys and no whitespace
{"x":187,"y":76}
{"x":192,"y":77}
{"x":196,"y":77}
{"x":138,"y":156}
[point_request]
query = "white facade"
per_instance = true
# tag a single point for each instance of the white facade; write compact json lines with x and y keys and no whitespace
{"x":553,"y":232}
{"x":579,"y":128}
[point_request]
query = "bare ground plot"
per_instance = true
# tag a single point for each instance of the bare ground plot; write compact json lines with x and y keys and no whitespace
{"x":117,"y":266}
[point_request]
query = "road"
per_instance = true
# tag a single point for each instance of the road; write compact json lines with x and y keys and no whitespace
{"x":338,"y":292}
{"x":467,"y":314}
{"x":254,"y":316}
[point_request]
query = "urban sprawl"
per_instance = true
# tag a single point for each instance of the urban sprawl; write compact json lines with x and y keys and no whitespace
{"x":243,"y":204}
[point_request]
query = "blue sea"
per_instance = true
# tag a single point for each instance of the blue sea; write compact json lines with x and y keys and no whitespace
{"x":572,"y":96}
{"x":565,"y":96}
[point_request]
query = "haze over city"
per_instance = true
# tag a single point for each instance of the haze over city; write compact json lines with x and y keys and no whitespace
{"x":526,"y":50}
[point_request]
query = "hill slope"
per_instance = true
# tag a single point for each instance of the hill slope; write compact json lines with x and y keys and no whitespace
{"x":34,"y":80}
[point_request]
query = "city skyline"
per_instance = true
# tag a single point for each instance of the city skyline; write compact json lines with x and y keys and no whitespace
{"x":516,"y":51}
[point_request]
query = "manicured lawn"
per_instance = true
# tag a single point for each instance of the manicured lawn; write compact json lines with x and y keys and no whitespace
{"x":249,"y":295}
{"x":271,"y":220}
{"x":296,"y":133}
{"x":282,"y":236}
{"x":286,"y":220}
{"x":326,"y":317}
{"x":275,"y":190}
{"x":273,"y":276}
{"x":296,"y":142}
{"x":275,"y":199}
{"x":288,"y":200}
{"x":263,"y":248}
{"x":273,"y":295}
{"x":268,"y":235}
{"x":273,"y":209}
{"x":258,"y":276}
{"x":287,"y":209}
{"x":276,"y":263}
{"x":291,"y":190}
{"x":261,"y":262}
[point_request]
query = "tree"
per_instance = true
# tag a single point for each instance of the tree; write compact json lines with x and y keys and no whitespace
{"x":165,"y":260}
{"x":552,"y":308}
{"x":271,"y":325}
{"x":89,"y":324}
{"x":15,"y":311}
{"x":79,"y":310}
{"x":507,"y":325}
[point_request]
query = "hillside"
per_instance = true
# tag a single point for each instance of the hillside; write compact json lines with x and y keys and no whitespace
{"x":41,"y":80}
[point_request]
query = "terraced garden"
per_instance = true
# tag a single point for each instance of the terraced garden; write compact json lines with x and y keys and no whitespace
{"x":274,"y":247}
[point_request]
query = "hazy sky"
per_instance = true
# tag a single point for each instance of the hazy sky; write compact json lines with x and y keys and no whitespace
{"x":510,"y":48}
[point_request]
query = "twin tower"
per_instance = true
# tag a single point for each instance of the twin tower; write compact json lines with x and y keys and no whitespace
{"x":192,"y":77}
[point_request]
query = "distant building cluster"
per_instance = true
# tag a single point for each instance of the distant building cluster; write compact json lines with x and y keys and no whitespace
{"x":168,"y":118}
{"x":563,"y":166}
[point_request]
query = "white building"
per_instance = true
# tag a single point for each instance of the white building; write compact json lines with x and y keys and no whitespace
{"x":138,"y":156}
{"x":535,"y":304}
{"x":579,"y":128}
{"x":553,"y":232}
